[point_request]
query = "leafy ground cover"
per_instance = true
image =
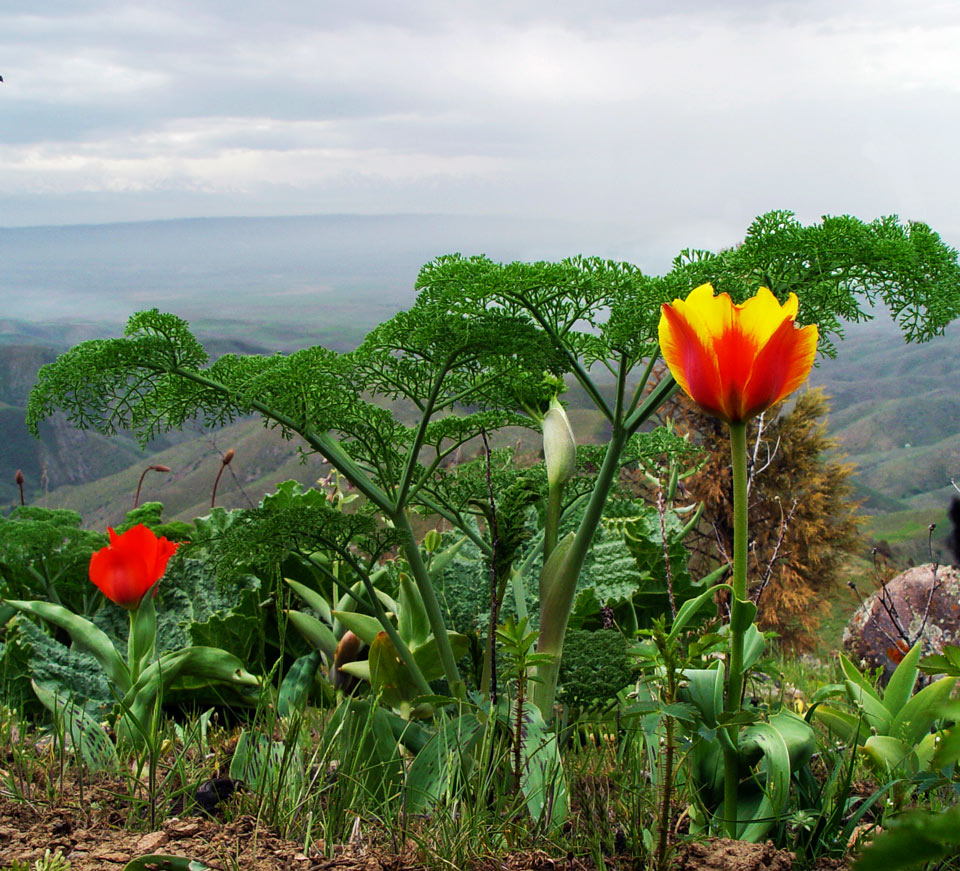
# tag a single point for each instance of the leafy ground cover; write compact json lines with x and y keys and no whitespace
{"x":430,"y":659}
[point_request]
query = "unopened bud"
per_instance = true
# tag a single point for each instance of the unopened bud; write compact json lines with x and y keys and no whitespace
{"x":18,"y":478}
{"x":159,"y":468}
{"x":559,"y":447}
{"x":228,"y":457}
{"x":432,"y":541}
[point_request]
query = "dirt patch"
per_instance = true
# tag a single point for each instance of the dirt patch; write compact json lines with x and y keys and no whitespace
{"x":93,"y":845}
{"x":98,"y":841}
{"x":719,"y":854}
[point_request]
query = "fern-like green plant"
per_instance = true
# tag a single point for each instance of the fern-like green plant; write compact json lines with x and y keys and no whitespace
{"x":469,"y":357}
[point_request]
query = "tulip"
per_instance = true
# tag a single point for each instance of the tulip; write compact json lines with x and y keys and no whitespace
{"x":130,"y":565}
{"x":735,"y":361}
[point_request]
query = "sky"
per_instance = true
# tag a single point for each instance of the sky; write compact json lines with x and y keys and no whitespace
{"x":668,"y":124}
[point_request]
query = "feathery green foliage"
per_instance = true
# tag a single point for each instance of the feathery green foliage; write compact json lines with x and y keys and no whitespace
{"x":471,"y":354}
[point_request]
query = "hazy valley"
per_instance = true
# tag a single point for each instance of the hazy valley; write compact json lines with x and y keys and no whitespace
{"x":261,"y":285}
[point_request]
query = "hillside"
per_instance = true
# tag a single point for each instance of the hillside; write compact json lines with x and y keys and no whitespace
{"x":268,"y":284}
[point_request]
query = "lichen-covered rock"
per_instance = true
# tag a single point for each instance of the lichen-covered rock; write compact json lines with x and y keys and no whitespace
{"x":868,"y":635}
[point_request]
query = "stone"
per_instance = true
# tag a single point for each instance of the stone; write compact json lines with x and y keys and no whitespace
{"x":152,"y":842}
{"x":871,"y":635}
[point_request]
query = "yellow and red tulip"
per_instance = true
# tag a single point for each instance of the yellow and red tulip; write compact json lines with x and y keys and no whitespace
{"x":735,"y":361}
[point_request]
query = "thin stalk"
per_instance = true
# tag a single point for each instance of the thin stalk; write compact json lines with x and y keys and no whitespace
{"x":731,"y":767}
{"x":660,"y":394}
{"x":413,"y":457}
{"x":556,"y":603}
{"x":663,"y":824}
{"x":320,"y":442}
{"x":576,"y":367}
{"x":421,"y":578}
{"x":638,"y":392}
{"x":494,"y":591}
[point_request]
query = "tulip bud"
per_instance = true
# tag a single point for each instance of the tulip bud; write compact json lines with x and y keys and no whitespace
{"x":559,"y":447}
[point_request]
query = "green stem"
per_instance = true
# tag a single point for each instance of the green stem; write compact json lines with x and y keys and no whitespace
{"x":132,"y":655}
{"x":557,"y":601}
{"x":321,"y":442}
{"x":738,"y":453}
{"x":551,"y":526}
{"x":421,"y":578}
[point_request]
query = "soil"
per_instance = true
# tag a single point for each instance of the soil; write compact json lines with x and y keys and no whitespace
{"x":95,"y":840}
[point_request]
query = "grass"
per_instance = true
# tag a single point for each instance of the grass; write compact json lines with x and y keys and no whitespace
{"x":324,"y":798}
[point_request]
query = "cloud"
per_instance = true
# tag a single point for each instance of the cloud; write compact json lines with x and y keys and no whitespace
{"x":663,"y":117}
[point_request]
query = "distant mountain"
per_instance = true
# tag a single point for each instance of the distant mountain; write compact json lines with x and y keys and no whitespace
{"x":266,"y":284}
{"x":284,"y":282}
{"x":896,"y":413}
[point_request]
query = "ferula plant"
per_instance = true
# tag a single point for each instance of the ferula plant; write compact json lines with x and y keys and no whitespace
{"x":470,"y":356}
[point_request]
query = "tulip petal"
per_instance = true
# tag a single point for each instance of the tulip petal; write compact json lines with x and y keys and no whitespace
{"x":120,"y":579}
{"x":736,"y":360}
{"x":780,"y":368}
{"x":130,"y":565}
{"x":690,"y":360}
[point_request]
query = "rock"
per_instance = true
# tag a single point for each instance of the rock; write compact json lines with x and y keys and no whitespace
{"x":152,"y":842}
{"x":871,"y":635}
{"x":177,"y":828}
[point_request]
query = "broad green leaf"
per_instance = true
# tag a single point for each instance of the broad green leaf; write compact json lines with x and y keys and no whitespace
{"x":920,"y":713}
{"x":911,"y":840}
{"x":874,"y":712}
{"x":367,"y":748}
{"x":360,"y":669}
{"x":85,"y":635}
{"x":316,"y":632}
{"x":365,"y":627}
{"x":775,"y":764}
{"x":797,"y":735}
{"x":888,"y":754}
{"x":946,"y":663}
{"x":312,"y":598}
{"x":428,"y":658}
{"x":852,"y":673}
{"x":274,"y":769}
{"x":442,"y":559}
{"x":689,"y":609}
{"x":902,"y":681}
{"x":947,"y":748}
{"x":746,"y":611}
{"x":206,"y":663}
{"x":844,"y":724}
{"x":82,"y":730}
{"x":162,"y":862}
{"x":542,"y":779}
{"x":753,"y":646}
{"x":704,"y":689}
{"x":296,"y":684}
{"x":436,"y":769}
{"x":413,"y":624}
{"x":389,"y":677}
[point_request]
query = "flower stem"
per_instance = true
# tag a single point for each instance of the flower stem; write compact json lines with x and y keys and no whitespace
{"x":731,"y":766}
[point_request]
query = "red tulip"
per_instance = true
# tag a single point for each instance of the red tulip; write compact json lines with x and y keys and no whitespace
{"x":735,"y":361}
{"x":130,"y":565}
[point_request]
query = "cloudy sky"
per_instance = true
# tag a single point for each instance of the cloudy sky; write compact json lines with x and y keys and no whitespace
{"x":675,"y":121}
